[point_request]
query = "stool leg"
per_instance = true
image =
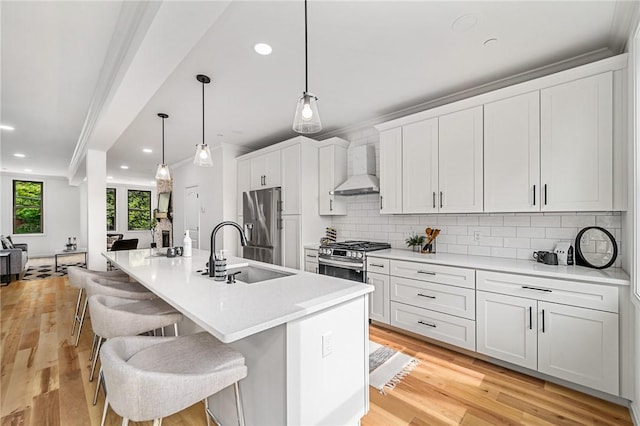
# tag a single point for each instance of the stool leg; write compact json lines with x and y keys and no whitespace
{"x":95,"y":359}
{"x":76,"y":318}
{"x":239,"y":407}
{"x":157,"y":422}
{"x":104,"y":412}
{"x":125,"y":422}
{"x":209,"y":414}
{"x":175,"y":329}
{"x":100,"y":379}
{"x":93,"y":346}
{"x":84,"y":311}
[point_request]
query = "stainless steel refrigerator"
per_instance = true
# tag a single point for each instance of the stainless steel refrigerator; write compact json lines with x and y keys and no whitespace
{"x":262,"y":225}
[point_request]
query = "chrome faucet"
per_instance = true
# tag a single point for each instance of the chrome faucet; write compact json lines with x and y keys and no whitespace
{"x":218,"y":267}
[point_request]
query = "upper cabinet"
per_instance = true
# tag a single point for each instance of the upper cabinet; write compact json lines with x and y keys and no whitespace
{"x":550,"y":144}
{"x":290,"y":158}
{"x":391,"y":171}
{"x":460,"y":161}
{"x":512,"y":154}
{"x":244,"y":181}
{"x":265,"y":171}
{"x":332,"y":171}
{"x":420,"y":167}
{"x":576,"y":126}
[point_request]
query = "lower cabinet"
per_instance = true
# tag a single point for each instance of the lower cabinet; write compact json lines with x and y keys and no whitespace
{"x":291,"y":241}
{"x":446,"y":328}
{"x":311,"y":260}
{"x":569,"y":342}
{"x":379,"y":299}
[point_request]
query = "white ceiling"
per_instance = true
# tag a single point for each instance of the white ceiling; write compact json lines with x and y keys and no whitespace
{"x":367,"y":59}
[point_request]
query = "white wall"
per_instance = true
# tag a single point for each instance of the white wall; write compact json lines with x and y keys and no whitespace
{"x":509,"y":235}
{"x":61,"y":214}
{"x":144,"y":237}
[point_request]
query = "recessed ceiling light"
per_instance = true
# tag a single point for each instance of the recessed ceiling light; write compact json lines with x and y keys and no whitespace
{"x":464,"y":23}
{"x":19,"y":155}
{"x":262,"y":48}
{"x":6,"y":127}
{"x":28,"y":170}
{"x":124,"y":167}
{"x":147,"y":150}
{"x":109,"y":177}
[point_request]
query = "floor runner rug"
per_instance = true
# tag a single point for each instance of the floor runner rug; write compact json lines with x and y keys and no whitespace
{"x":46,"y":270}
{"x":387,"y":367}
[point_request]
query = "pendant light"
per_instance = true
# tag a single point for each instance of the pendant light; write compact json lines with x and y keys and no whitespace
{"x":307,"y":119}
{"x":203,"y":154}
{"x":163,"y":169}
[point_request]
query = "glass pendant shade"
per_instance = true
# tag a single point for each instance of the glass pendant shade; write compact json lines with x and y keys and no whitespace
{"x":307,"y":118}
{"x":203,"y":156}
{"x":163,"y":172}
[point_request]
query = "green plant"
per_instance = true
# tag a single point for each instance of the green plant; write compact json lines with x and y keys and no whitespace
{"x":415,"y":240}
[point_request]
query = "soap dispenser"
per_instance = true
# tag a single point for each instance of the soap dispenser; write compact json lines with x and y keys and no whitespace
{"x":186,"y":244}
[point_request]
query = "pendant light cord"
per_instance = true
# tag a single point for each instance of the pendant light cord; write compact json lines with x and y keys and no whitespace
{"x":163,"y":141}
{"x":306,"y":61}
{"x":203,"y":113}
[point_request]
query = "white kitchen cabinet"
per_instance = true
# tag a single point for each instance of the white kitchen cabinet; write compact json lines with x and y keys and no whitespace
{"x":291,"y":241}
{"x":311,"y":260}
{"x":391,"y":171}
{"x":579,"y":345}
{"x":332,"y":171}
{"x":379,"y":299}
{"x":244,"y":181}
{"x":507,"y":328}
{"x":512,"y":154}
{"x":576,"y":157}
{"x":420,"y":167}
{"x":561,"y":328}
{"x":265,"y":170}
{"x":460,"y":168}
{"x":290,"y":158}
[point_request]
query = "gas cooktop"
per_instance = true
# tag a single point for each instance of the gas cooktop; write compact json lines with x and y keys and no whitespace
{"x":358,"y":245}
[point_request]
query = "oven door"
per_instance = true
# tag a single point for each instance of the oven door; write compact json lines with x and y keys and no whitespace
{"x":341,"y":269}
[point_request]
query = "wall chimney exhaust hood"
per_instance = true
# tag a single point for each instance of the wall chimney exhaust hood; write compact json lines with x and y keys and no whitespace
{"x":364,"y":180}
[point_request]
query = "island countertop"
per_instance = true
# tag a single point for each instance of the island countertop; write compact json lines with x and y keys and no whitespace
{"x":233,"y":311}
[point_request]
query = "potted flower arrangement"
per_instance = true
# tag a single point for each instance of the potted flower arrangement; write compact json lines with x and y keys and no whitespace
{"x":415,"y":242}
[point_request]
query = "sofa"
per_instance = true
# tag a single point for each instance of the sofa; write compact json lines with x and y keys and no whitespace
{"x":18,"y":258}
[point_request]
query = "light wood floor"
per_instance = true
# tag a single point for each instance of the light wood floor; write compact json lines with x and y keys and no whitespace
{"x":44,"y":378}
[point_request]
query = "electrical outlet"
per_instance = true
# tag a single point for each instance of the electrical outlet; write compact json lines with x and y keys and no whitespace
{"x":327,"y":344}
{"x":476,"y":235}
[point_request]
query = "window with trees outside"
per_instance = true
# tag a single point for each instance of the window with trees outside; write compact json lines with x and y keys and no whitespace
{"x":27,"y":207}
{"x":139,"y":210}
{"x":111,"y":209}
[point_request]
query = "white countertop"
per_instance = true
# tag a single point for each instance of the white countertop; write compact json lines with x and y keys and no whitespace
{"x":233,"y":311}
{"x":614,"y":276}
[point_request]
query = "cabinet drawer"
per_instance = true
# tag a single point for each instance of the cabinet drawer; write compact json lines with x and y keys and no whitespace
{"x":377,"y":265}
{"x":446,"y":328}
{"x":594,"y":296}
{"x":311,"y":255}
{"x":439,"y":274}
{"x":437,"y":297}
{"x":311,"y":267}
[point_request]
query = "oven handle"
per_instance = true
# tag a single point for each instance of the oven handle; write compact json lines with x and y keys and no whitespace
{"x":348,"y":265}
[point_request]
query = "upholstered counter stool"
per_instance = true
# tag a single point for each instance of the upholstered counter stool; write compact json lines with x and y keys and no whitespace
{"x":77,"y":278}
{"x":148,"y":378}
{"x":114,"y":317}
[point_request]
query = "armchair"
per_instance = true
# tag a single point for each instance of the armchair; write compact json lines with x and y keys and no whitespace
{"x":18,"y":258}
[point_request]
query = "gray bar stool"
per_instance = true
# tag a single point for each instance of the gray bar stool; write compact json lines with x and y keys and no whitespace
{"x":77,"y":278}
{"x":148,"y":378}
{"x":115,"y":317}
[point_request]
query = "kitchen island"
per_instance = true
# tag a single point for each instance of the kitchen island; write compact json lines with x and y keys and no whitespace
{"x":304,"y":336}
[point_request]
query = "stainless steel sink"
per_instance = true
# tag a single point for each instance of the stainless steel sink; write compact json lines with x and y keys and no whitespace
{"x":253,"y":274}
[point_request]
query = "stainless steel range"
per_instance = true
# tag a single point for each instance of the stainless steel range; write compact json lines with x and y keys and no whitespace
{"x":347,"y":259}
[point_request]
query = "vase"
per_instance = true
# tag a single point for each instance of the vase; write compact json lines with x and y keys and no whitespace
{"x":416,"y":249}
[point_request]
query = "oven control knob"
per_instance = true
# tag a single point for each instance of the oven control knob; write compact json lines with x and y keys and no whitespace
{"x":348,"y":254}
{"x":359,"y":255}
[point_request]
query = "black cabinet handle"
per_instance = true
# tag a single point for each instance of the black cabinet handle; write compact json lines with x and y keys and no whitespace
{"x":426,"y":272}
{"x":426,"y":295}
{"x":537,"y":289}
{"x":543,"y":320}
{"x":330,"y":205}
{"x":440,"y":199}
{"x":545,"y":194}
{"x":534,"y":195}
{"x":381,"y":202}
{"x":434,"y":199}
{"x":530,"y":318}
{"x":376,"y":265}
{"x":427,"y":324}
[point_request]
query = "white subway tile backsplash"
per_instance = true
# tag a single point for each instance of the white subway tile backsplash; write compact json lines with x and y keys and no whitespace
{"x":511,"y":235}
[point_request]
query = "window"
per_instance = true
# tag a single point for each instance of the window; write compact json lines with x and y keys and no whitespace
{"x":27,"y":207}
{"x":111,"y":209}
{"x":139,"y":205}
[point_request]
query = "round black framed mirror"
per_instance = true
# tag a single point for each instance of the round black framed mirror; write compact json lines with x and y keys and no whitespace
{"x":595,"y":248}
